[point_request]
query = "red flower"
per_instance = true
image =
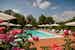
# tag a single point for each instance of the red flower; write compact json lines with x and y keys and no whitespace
{"x":56,"y":47}
{"x":66,"y":32}
{"x":35,"y":38}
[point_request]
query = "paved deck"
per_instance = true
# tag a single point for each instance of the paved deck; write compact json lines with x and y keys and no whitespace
{"x":47,"y":42}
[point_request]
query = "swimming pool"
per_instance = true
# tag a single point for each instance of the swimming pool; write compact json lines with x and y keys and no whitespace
{"x":41,"y":34}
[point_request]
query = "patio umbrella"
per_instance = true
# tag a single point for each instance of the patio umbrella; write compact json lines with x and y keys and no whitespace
{"x":6,"y":17}
{"x":1,"y":20}
{"x":47,"y":25}
{"x":16,"y":31}
{"x":17,"y":25}
{"x":2,"y":28}
{"x":3,"y":36}
{"x":54,"y":25}
{"x":70,"y":24}
{"x":7,"y":24}
{"x":42,"y":25}
{"x":28,"y":25}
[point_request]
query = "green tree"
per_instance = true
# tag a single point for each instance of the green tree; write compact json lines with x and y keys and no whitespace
{"x":20,"y":18}
{"x":9,"y":12}
{"x":73,"y":19}
{"x":34,"y":22}
{"x":31,"y":20}
{"x":49,"y":20}
{"x":42,"y":19}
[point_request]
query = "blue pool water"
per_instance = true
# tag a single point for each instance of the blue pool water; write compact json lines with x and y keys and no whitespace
{"x":41,"y":35}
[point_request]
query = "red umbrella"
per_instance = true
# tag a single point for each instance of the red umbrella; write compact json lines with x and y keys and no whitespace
{"x":3,"y":36}
{"x":1,"y":20}
{"x":2,"y":28}
{"x":16,"y":31}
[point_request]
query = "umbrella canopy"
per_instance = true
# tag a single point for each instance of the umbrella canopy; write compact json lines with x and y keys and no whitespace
{"x":2,"y":28}
{"x":54,"y":25}
{"x":16,"y":31}
{"x":17,"y":25}
{"x":46,"y":25}
{"x":1,"y":20}
{"x":6,"y":17}
{"x":70,"y":24}
{"x":3,"y":36}
{"x":6,"y":23}
{"x":28,"y":25}
{"x":9,"y":24}
{"x":41,"y":25}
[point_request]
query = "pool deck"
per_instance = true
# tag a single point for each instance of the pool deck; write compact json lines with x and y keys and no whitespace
{"x":48,"y":42}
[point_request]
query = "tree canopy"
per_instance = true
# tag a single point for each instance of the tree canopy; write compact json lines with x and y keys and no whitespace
{"x":49,"y":20}
{"x":21,"y":19}
{"x":31,"y":20}
{"x":42,"y":19}
{"x":45,"y":20}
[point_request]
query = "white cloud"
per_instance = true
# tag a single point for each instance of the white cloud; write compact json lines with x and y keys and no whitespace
{"x":69,"y":13}
{"x":53,"y":8}
{"x":44,"y":5}
{"x":38,"y":1}
{"x":66,"y":15}
{"x":34,"y":4}
{"x":40,"y":4}
{"x":16,"y":10}
{"x":57,"y":18}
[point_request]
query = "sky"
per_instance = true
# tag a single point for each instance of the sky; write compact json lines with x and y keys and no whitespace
{"x":60,"y":10}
